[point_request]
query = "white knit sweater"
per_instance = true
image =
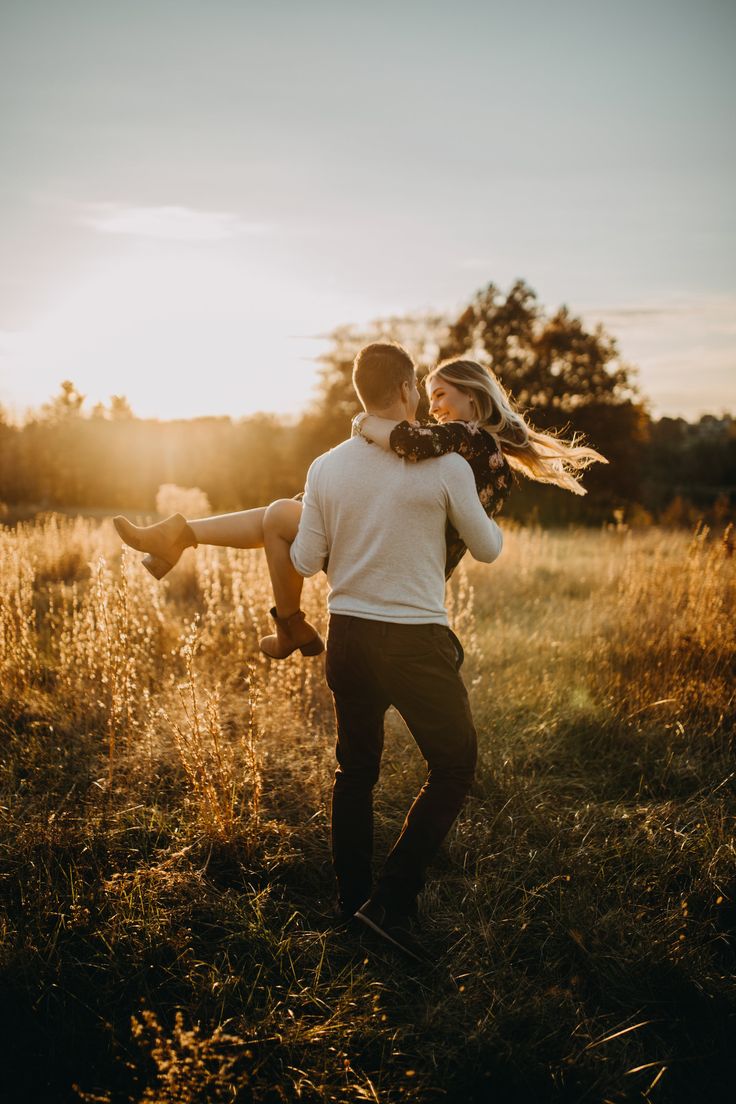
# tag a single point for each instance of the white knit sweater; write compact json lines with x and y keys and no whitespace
{"x":381,"y":522}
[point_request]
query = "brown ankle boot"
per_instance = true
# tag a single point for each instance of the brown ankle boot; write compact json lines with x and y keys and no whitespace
{"x":163,"y":542}
{"x":291,"y":633}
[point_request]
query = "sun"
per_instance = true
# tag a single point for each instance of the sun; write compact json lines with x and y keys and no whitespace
{"x":181,"y":332}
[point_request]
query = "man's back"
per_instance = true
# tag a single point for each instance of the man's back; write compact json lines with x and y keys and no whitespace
{"x":381,"y":521}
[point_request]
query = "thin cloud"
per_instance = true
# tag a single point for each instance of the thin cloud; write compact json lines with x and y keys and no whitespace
{"x":169,"y":223}
{"x":717,"y":313}
{"x":635,"y":314}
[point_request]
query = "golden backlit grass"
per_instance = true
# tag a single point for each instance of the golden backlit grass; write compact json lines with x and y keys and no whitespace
{"x":166,"y":885}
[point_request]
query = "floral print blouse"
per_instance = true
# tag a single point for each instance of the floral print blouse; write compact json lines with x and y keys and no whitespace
{"x":488,"y":464}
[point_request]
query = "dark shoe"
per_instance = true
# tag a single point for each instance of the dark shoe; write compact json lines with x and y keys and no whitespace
{"x":163,"y":542}
{"x":394,"y":927}
{"x":344,"y":921}
{"x":345,"y":910}
{"x":291,"y":633}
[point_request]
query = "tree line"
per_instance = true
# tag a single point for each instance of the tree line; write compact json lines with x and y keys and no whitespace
{"x":563,"y":375}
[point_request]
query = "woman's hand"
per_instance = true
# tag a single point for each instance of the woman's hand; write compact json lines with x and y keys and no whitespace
{"x":377,"y":430}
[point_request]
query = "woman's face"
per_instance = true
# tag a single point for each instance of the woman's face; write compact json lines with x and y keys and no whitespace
{"x":447,"y":403}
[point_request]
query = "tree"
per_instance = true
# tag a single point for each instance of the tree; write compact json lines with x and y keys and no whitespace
{"x":564,"y":377}
{"x":8,"y":440}
{"x":64,"y":406}
{"x":551,"y":365}
{"x":120,"y":410}
{"x":695,"y":461}
{"x":561,"y":375}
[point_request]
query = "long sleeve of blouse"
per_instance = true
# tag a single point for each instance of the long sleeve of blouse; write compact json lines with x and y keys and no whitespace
{"x":489,"y":466}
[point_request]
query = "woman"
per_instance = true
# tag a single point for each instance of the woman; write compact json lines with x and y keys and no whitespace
{"x":474,"y":417}
{"x":477,"y":420}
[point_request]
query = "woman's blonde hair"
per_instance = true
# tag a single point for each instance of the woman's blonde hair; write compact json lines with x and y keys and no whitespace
{"x":544,"y":457}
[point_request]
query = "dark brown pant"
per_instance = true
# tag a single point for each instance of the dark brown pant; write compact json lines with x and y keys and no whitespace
{"x":372,"y":665}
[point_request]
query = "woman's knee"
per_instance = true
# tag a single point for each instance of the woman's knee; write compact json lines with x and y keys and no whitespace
{"x":282,"y":518}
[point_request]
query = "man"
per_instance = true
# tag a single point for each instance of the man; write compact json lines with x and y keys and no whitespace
{"x":380,"y":521}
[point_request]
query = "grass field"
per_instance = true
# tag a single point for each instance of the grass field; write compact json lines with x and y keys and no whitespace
{"x":165,"y":884}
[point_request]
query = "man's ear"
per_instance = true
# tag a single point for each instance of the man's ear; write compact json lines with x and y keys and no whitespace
{"x":405,"y":391}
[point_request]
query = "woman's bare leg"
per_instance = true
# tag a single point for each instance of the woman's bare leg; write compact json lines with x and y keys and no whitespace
{"x":243,"y":529}
{"x":280,"y":526}
{"x":165,"y":541}
{"x":292,"y":629}
{"x":276,"y":527}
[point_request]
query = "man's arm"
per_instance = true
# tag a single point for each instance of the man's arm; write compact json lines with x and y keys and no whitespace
{"x":309,"y":550}
{"x":480,"y":533}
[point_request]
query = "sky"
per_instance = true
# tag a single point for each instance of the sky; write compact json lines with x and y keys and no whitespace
{"x":193,"y":194}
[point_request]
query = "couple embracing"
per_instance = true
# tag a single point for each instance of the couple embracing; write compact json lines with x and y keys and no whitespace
{"x":388,"y":530}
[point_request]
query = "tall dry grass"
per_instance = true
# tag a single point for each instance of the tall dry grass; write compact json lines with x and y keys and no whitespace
{"x":619,"y":626}
{"x":165,"y":793}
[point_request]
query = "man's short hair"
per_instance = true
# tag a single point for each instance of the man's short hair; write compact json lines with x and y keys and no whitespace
{"x":378,"y":373}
